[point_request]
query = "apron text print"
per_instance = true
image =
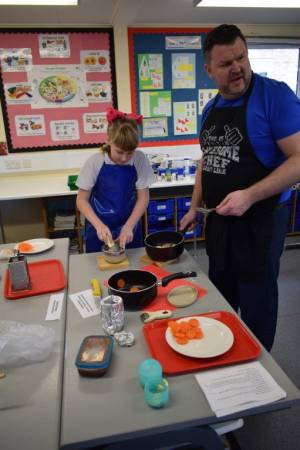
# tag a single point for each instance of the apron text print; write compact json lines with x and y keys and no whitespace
{"x":219,"y":151}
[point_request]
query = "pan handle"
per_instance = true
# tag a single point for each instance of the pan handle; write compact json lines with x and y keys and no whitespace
{"x":174,"y":276}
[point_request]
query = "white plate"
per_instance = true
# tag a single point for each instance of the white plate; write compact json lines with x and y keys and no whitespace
{"x":218,"y":339}
{"x":39,"y":246}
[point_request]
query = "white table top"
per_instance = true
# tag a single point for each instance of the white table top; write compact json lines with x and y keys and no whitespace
{"x":112,"y":408}
{"x":30,"y":399}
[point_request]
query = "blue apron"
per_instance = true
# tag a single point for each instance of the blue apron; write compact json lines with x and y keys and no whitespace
{"x":113,"y":198}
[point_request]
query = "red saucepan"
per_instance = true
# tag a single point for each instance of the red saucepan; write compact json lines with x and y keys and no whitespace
{"x":164,"y":245}
{"x":138,"y":287}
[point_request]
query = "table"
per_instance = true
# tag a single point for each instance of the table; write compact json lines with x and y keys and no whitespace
{"x":30,"y":396}
{"x":112,"y":408}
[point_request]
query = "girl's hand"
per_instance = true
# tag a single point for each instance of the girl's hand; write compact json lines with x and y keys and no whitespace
{"x":125,"y":237}
{"x":104,"y":234}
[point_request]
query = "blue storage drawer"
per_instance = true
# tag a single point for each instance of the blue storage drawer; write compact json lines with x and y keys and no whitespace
{"x":161,"y":206}
{"x":184,"y":203}
{"x":154,"y":219}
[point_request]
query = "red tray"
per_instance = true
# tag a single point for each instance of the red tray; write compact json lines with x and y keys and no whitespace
{"x":45,"y":276}
{"x":244,"y":348}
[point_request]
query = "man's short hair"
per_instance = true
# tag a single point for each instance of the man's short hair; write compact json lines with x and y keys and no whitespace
{"x":221,"y":35}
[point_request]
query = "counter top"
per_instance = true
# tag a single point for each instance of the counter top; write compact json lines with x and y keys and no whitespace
{"x":30,"y":400}
{"x":112,"y":408}
{"x":16,"y":187}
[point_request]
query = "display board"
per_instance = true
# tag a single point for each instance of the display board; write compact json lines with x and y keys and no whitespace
{"x":169,"y":85}
{"x":55,"y":87}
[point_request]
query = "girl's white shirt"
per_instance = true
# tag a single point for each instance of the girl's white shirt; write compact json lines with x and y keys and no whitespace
{"x":90,"y":170}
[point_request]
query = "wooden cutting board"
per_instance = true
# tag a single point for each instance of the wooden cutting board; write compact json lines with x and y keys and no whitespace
{"x":104,"y":265}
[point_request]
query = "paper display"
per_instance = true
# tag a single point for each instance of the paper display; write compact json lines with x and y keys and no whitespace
{"x":240,"y":387}
{"x":85,"y":303}
{"x":55,"y":306}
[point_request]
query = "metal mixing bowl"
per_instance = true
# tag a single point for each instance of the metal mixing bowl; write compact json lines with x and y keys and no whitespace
{"x":112,"y":255}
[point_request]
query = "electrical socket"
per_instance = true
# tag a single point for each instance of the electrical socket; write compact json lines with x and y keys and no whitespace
{"x":27,"y":164}
{"x":12,"y":164}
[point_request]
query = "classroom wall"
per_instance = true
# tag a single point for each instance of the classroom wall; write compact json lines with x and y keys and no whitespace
{"x":28,"y":214}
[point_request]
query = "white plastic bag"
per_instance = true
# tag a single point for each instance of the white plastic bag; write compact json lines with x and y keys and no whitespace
{"x":22,"y":343}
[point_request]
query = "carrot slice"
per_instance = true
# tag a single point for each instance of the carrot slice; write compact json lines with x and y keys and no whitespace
{"x":25,"y":247}
{"x":185,"y":331}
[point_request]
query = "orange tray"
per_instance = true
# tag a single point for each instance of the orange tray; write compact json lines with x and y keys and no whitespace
{"x":45,"y":276}
{"x":244,"y":348}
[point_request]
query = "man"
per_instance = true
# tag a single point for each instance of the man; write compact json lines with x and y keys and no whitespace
{"x":250,"y":138}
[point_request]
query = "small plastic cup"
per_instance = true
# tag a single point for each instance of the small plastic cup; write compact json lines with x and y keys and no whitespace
{"x":156,"y":393}
{"x":150,"y":369}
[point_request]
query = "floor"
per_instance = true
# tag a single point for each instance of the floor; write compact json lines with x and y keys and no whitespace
{"x":279,"y":430}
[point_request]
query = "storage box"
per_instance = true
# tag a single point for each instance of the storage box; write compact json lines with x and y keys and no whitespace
{"x":72,"y":182}
{"x":94,"y":355}
{"x":161,"y":206}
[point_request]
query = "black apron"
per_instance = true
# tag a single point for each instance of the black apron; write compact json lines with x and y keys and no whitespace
{"x":230,"y":164}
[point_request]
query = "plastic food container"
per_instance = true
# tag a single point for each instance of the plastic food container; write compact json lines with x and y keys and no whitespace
{"x":94,"y":355}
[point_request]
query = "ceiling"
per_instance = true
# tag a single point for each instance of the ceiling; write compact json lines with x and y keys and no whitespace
{"x":142,"y":12}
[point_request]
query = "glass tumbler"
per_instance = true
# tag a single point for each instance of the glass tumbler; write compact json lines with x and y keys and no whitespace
{"x":112,"y":314}
{"x":156,"y":393}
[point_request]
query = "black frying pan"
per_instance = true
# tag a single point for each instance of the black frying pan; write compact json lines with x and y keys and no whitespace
{"x":164,"y":245}
{"x":144,"y":283}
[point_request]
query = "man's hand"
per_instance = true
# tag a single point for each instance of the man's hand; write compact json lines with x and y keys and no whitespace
{"x":235,"y":204}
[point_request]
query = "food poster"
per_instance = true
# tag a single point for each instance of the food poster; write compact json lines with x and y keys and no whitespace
{"x":204,"y":95}
{"x":30,"y":125}
{"x":51,"y":92}
{"x":95,"y":60}
{"x":154,"y":104}
{"x":18,"y":93}
{"x":57,"y":85}
{"x":94,"y":123}
{"x":183,"y":71}
{"x":96,"y":92}
{"x":155,"y":127}
{"x":66,"y":130}
{"x":185,"y":118}
{"x":54,"y":46}
{"x":183,"y":42}
{"x":150,"y":69}
{"x":15,"y":59}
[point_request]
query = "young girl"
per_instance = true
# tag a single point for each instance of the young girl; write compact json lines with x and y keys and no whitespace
{"x":114,"y":186}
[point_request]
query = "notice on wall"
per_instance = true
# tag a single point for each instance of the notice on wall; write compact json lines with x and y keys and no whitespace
{"x":183,"y":70}
{"x":31,"y":125}
{"x":183,"y":42}
{"x":64,"y":130}
{"x":185,"y":118}
{"x":57,"y":85}
{"x":94,"y":122}
{"x":150,"y":67}
{"x":155,"y":103}
{"x":15,"y":59}
{"x":155,"y":127}
{"x":95,"y":60}
{"x":204,"y":95}
{"x":54,"y":46}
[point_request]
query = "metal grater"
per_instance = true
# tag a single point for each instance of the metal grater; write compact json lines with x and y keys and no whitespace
{"x":18,"y":272}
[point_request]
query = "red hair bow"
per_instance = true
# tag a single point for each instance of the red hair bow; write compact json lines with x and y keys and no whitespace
{"x":113,"y":114}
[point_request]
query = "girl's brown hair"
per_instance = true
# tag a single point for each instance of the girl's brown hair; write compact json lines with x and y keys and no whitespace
{"x":123,"y":133}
